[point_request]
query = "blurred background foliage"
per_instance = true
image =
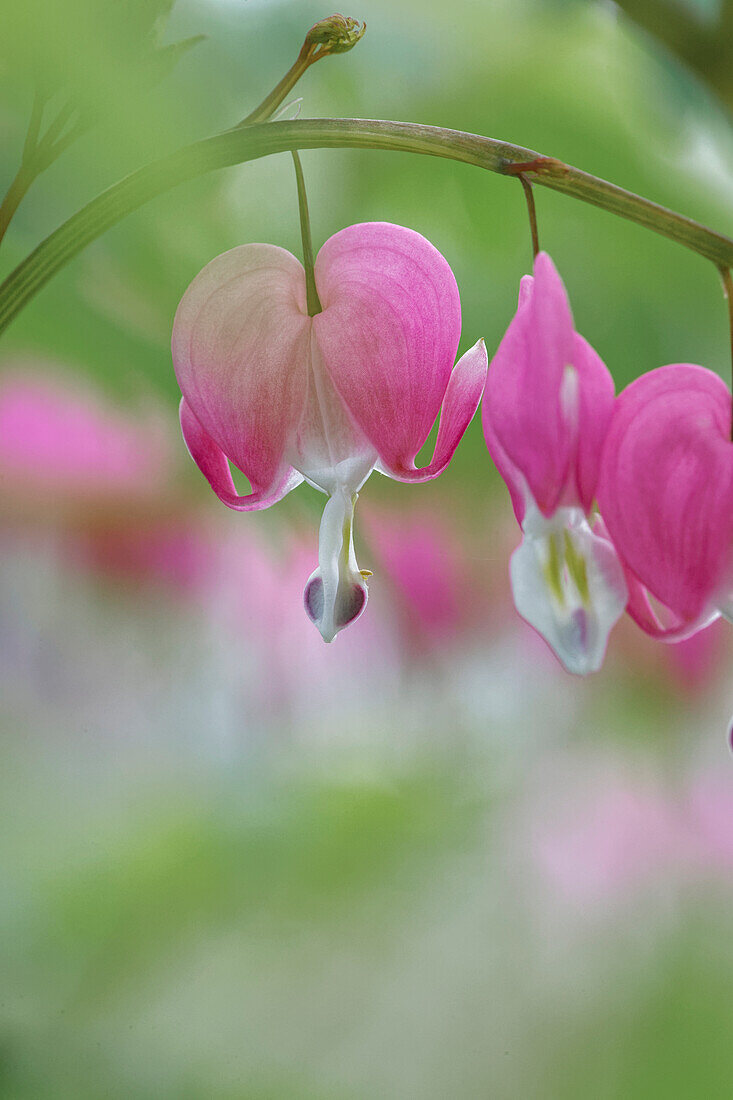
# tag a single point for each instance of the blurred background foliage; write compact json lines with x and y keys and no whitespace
{"x":423,"y":862}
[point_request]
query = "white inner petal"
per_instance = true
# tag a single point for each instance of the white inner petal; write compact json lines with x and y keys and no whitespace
{"x":569,"y":585}
{"x":328,"y":448}
{"x":336,"y":594}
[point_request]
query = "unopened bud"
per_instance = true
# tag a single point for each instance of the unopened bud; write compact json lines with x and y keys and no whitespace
{"x":336,"y":34}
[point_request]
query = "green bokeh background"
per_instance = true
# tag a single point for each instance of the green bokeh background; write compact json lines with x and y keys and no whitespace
{"x":345,"y":921}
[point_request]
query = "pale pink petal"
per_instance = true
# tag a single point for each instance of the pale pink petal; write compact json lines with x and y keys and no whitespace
{"x":214,"y":465}
{"x":666,"y":486}
{"x":461,"y":400}
{"x":523,"y":400}
{"x":240,"y":349}
{"x":388,"y":334}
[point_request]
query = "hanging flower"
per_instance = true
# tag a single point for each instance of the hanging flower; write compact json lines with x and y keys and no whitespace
{"x":666,"y":493}
{"x":288,"y":397}
{"x":546,"y":410}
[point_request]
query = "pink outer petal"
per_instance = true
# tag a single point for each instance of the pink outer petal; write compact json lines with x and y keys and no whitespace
{"x":515,"y":482}
{"x":240,"y":350}
{"x":523,"y":399}
{"x":388,"y":332}
{"x":462,"y":397}
{"x":661,"y":625}
{"x":595,"y":409}
{"x":214,"y":465}
{"x":666,"y":486}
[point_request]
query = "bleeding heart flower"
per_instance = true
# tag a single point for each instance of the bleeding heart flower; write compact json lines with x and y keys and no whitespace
{"x":546,"y":409}
{"x":666,"y":493}
{"x":327,"y":398}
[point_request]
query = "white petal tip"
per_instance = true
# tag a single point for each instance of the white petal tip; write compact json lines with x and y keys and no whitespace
{"x":349,"y":604}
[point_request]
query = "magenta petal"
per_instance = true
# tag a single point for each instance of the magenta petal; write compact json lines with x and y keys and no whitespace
{"x":514,"y":480}
{"x":524,"y":400}
{"x":214,"y":465}
{"x":241,"y":351}
{"x":596,"y":396}
{"x":461,"y":400}
{"x":388,"y":332}
{"x":675,"y":629}
{"x":666,"y":486}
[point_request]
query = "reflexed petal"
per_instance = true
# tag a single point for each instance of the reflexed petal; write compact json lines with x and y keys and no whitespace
{"x":666,"y":487}
{"x":388,"y":332}
{"x":214,"y":465}
{"x":658,"y":622}
{"x":335,"y":594}
{"x":523,"y":400}
{"x":240,"y":349}
{"x":461,"y":400}
{"x":568,"y":584}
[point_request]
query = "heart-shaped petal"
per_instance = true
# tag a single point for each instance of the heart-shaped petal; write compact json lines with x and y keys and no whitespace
{"x":240,"y":349}
{"x":388,"y":333}
{"x":666,"y":486}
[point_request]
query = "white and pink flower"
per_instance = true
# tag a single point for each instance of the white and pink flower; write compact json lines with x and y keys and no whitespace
{"x":288,"y":397}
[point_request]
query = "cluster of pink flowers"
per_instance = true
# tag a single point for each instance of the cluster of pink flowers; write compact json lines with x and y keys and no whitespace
{"x":329,"y":398}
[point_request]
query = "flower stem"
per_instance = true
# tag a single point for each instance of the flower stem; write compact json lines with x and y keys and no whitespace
{"x":251,"y":142}
{"x":272,"y":101}
{"x":337,"y":34}
{"x":532,"y":213}
{"x":314,"y":302}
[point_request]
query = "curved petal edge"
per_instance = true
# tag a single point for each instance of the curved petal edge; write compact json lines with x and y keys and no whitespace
{"x":214,"y":465}
{"x":462,"y":397}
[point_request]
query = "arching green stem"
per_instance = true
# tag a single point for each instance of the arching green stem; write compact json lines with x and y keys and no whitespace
{"x":251,"y":142}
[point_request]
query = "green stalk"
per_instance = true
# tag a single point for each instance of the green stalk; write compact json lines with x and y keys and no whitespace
{"x":252,"y":142}
{"x":313,"y":301}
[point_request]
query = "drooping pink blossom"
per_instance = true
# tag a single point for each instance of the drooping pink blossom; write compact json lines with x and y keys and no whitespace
{"x":546,"y":410}
{"x":666,"y":494}
{"x":287,"y":397}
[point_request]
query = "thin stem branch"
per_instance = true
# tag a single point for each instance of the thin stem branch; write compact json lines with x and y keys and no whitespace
{"x":252,"y":142}
{"x":531,"y":213}
{"x":313,"y":301}
{"x":34,"y":127}
{"x":38,"y":154}
{"x":336,"y":34}
{"x":14,"y":196}
{"x":272,"y":101}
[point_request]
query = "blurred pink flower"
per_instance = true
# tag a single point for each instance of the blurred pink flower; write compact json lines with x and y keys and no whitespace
{"x":608,"y":831}
{"x":610,"y":840}
{"x":60,"y":440}
{"x":436,"y":595}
